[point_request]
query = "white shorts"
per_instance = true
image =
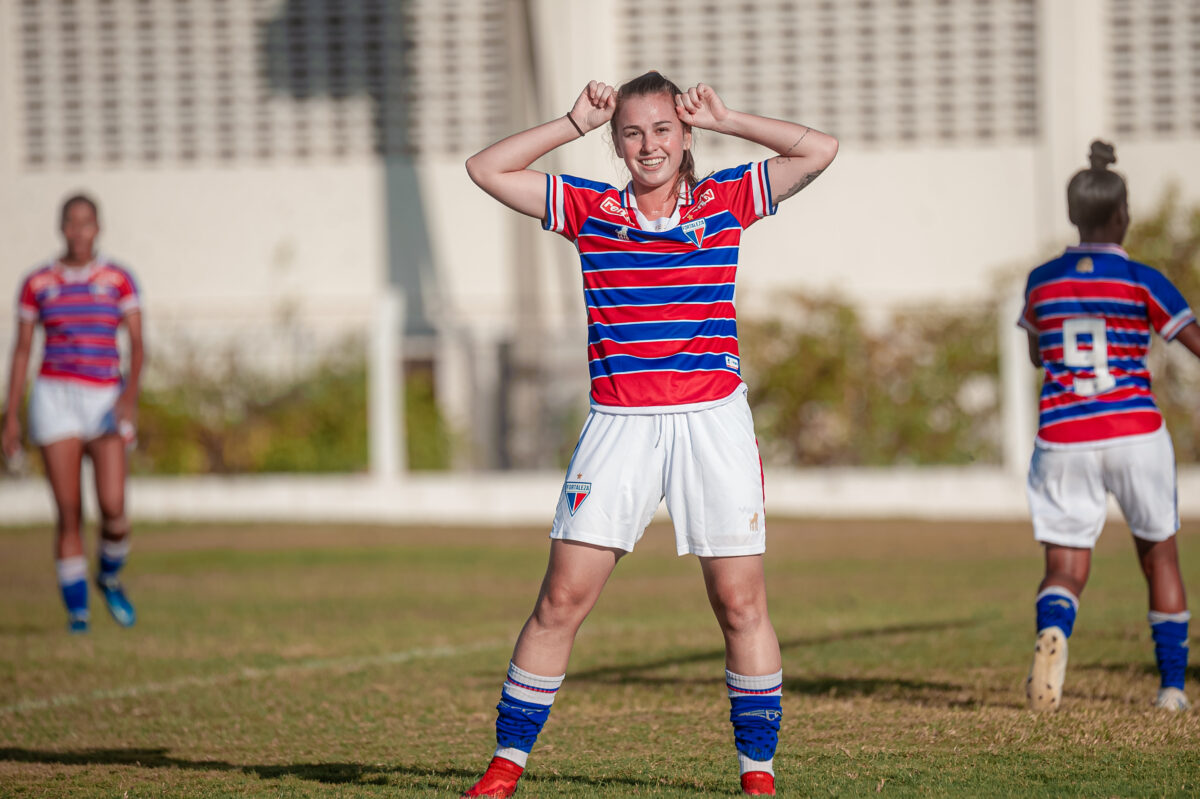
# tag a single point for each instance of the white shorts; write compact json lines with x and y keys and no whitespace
{"x":62,"y":409}
{"x":1067,"y":490}
{"x":704,"y":462}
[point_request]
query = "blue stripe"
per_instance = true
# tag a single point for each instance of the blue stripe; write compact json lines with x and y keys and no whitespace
{"x":720,"y":256}
{"x":1093,"y":408}
{"x":67,"y":350}
{"x":1136,"y":310}
{"x":1051,"y":389}
{"x":683,"y":362}
{"x":661,"y":331}
{"x":78,"y":310}
{"x":1121,"y":338}
{"x":659,"y":295}
{"x":85,"y":330}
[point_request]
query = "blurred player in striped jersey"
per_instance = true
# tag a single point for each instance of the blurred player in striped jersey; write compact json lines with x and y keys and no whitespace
{"x":80,"y":402}
{"x":1089,"y":315}
{"x":669,"y":415}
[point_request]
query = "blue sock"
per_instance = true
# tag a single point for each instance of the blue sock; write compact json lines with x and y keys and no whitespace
{"x":755,"y":711}
{"x":72,"y":581}
{"x":112,"y":557}
{"x":1056,"y":607}
{"x":1170,"y":633}
{"x":524,"y":707}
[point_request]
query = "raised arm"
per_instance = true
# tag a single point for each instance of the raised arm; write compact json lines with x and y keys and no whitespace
{"x":803,"y":152}
{"x":502,"y":170}
{"x":10,"y":439}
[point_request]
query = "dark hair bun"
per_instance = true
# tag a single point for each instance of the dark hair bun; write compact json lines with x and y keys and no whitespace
{"x":1102,"y":155}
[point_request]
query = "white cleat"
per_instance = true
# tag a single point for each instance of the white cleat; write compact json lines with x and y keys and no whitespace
{"x":1172,"y":699}
{"x":1043,"y":687}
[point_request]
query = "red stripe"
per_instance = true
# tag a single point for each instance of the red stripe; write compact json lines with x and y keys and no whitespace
{"x":649,"y":278}
{"x":663,"y":349}
{"x":661,"y":313}
{"x":1099,"y":428}
{"x":663,"y":388}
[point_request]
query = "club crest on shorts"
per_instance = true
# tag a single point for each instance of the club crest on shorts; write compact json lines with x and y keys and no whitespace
{"x":576,"y":493}
{"x":694,"y":230}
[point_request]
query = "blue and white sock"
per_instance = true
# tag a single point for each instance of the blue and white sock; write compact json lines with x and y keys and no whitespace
{"x":524,"y":707}
{"x":755,"y":711}
{"x":1056,"y":607}
{"x":112,"y":557}
{"x":1170,"y":633}
{"x":72,"y":581}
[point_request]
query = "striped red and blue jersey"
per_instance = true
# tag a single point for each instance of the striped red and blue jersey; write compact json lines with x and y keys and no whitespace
{"x":662,"y":330}
{"x":80,"y":309}
{"x":1092,"y":309}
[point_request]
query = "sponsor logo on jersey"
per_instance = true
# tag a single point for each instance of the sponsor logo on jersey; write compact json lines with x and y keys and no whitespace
{"x":612,"y":207}
{"x":1085,"y":265}
{"x":733,"y":363}
{"x":694,"y":230}
{"x":705,"y":198}
{"x":576,"y":493}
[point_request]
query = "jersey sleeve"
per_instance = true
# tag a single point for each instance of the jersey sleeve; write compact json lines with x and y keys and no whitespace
{"x":128,"y":298}
{"x":567,"y":202}
{"x":747,"y":192}
{"x":27,"y":304}
{"x":1028,"y":317}
{"x":1168,"y":310}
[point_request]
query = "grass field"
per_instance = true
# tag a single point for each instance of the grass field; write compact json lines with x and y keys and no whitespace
{"x":352,"y":661}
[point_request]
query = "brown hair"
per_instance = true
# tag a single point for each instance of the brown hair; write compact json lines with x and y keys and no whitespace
{"x":78,"y":198}
{"x":653,"y":83}
{"x":1096,"y":193}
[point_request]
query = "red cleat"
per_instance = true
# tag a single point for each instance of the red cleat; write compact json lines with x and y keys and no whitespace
{"x":758,"y":783}
{"x":500,"y":780}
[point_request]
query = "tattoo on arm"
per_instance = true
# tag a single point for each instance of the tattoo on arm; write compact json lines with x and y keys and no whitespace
{"x":800,"y":184}
{"x":797,"y":142}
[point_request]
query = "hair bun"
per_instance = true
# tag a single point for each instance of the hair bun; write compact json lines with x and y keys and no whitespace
{"x":1102,"y":154}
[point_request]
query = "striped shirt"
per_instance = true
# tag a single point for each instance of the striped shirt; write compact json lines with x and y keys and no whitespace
{"x":1092,"y":310}
{"x":80,"y":309}
{"x":662,"y":330}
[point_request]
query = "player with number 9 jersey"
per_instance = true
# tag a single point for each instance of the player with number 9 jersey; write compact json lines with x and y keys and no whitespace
{"x":1090,"y":314}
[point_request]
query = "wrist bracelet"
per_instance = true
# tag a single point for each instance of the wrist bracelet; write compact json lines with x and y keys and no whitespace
{"x":574,"y":124}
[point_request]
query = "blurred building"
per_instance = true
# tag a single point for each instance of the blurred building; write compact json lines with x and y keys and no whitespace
{"x":269,"y":168}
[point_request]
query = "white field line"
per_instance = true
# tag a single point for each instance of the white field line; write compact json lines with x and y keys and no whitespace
{"x":249,"y":673}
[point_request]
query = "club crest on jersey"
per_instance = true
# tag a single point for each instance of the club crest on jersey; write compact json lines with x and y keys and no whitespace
{"x":576,"y":493}
{"x":694,"y":230}
{"x":1085,"y":265}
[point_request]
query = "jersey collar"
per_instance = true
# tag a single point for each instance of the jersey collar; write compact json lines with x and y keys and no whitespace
{"x":1113,"y":249}
{"x":685,"y":199}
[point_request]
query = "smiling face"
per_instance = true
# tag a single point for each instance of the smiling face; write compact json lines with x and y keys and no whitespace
{"x":651,"y":139}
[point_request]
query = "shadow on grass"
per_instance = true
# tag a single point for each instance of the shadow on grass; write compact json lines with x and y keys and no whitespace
{"x":328,"y":773}
{"x":1144,"y":667}
{"x":628,"y":672}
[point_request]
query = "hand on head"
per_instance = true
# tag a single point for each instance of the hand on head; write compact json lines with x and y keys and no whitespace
{"x":700,"y":107}
{"x":595,"y":106}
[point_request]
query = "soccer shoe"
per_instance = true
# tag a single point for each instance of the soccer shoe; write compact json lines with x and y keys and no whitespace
{"x":758,"y":783}
{"x":77,"y":625}
{"x":1171,"y":699}
{"x":1043,"y":687}
{"x":118,"y":604}
{"x":499,"y":781}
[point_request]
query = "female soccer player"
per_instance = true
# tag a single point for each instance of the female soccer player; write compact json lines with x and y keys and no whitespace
{"x":669,"y":415}
{"x":1089,"y":314}
{"x":80,"y":403}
